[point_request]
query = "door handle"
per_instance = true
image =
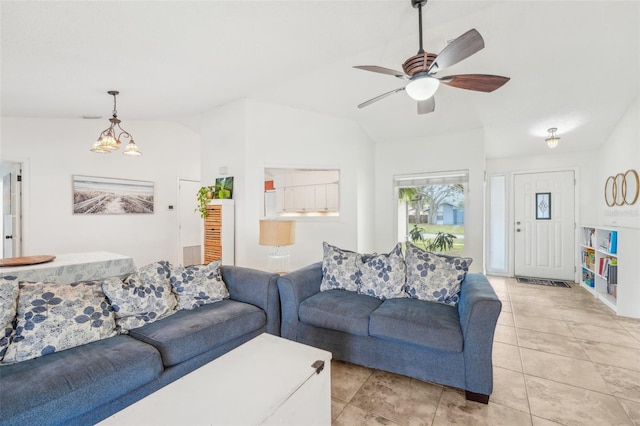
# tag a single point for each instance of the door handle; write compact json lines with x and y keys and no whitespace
{"x":8,"y":237}
{"x":517,"y":229}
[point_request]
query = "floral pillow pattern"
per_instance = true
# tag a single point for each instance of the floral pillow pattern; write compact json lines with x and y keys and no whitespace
{"x":54,"y":317}
{"x":383,"y":275}
{"x":141,"y":298}
{"x":433,"y":277}
{"x":8,"y":306}
{"x":339,"y":270}
{"x":198,"y":285}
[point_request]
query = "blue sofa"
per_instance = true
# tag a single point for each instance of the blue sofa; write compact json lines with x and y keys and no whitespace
{"x":88,"y":383}
{"x":425,"y":340}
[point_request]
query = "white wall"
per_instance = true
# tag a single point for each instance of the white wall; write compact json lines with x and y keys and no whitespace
{"x":582,"y":162}
{"x":276,"y":136}
{"x":54,"y":149}
{"x":619,"y":153}
{"x":456,"y":151}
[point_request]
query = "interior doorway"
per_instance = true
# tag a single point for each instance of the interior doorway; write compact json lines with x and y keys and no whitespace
{"x":544,"y":224}
{"x":190,"y":226}
{"x":11,"y":208}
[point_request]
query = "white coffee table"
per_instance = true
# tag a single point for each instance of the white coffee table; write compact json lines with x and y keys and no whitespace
{"x":268,"y":380}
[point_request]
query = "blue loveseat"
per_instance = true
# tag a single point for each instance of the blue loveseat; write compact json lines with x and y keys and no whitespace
{"x":88,"y":383}
{"x":450,"y":345}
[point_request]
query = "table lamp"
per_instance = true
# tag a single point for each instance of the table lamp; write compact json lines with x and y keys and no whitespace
{"x":278,"y":234}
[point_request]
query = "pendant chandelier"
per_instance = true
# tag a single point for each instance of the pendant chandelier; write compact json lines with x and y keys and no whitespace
{"x":553,"y":139}
{"x":108,"y":141}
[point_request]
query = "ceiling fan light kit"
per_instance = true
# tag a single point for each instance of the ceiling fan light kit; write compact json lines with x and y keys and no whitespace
{"x":421,"y":68}
{"x":108,"y":141}
{"x":422,"y":88}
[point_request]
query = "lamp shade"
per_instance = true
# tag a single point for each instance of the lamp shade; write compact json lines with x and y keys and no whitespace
{"x":277,"y":232}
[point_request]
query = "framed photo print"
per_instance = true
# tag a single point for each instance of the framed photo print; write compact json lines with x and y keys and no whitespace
{"x":100,"y":195}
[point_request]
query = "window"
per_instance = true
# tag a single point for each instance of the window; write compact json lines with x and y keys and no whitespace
{"x":497,"y":229}
{"x":431,"y":205}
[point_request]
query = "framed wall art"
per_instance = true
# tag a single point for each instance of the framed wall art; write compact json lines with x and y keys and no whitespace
{"x":101,"y":195}
{"x":543,"y":206}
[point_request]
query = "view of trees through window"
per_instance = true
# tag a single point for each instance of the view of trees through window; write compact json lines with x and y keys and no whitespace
{"x":432,"y":217}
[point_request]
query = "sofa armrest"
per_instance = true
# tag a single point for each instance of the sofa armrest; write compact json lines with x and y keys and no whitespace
{"x":258,"y":288}
{"x":295,"y":287}
{"x":479,"y":308}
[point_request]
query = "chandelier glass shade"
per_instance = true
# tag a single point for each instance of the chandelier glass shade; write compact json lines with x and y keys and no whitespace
{"x":112,"y":137}
{"x":553,"y":139}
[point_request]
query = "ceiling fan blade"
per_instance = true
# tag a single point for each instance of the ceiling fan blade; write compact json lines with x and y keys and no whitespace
{"x":382,"y":70}
{"x":377,"y":98}
{"x":426,"y":106}
{"x":477,"y":82}
{"x":461,"y":48}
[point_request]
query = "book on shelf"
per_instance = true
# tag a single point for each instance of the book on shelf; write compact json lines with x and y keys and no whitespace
{"x":613,"y":242}
{"x":612,"y":277}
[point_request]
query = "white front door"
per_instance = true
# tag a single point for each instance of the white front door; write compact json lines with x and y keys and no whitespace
{"x":544,"y":224}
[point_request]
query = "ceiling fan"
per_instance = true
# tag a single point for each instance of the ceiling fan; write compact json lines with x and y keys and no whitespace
{"x":420,"y":70}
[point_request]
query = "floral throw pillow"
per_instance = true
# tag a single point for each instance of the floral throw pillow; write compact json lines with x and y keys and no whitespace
{"x":142,"y":298}
{"x":8,"y":306}
{"x":54,"y":317}
{"x":383,"y":275}
{"x":435,"y":278}
{"x":198,"y":285}
{"x":339,"y":270}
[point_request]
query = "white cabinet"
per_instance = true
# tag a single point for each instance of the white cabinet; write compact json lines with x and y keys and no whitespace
{"x":606,"y":260}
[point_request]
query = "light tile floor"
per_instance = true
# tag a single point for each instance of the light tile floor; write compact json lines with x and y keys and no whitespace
{"x":560,"y":357}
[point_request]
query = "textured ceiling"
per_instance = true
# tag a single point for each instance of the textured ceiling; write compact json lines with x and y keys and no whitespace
{"x":574,"y":65}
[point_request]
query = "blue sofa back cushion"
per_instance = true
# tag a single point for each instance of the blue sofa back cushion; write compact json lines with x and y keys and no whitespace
{"x":188,"y":333}
{"x":429,"y":324}
{"x":339,"y":310}
{"x":52,"y":389}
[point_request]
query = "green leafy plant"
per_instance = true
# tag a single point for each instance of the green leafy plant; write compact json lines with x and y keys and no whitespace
{"x":205,"y":194}
{"x":443,"y":241}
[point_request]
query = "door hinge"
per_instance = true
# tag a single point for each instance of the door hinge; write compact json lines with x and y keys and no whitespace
{"x":19,"y":178}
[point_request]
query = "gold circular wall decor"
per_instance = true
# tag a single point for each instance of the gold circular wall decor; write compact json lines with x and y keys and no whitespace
{"x":621,"y":189}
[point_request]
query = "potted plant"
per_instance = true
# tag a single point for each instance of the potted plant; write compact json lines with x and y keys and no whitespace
{"x":205,"y":194}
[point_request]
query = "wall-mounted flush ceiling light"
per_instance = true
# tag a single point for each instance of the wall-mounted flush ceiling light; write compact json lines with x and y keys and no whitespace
{"x":108,"y":141}
{"x":553,"y":139}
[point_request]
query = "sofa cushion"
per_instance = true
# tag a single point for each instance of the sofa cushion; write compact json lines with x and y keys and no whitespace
{"x":8,"y":306}
{"x":189,"y":333}
{"x":198,"y":285}
{"x":339,"y":310}
{"x":434,"y":277}
{"x":143,"y":297}
{"x":339,"y":270}
{"x":382,"y":276}
{"x":429,"y":324}
{"x":55,"y":317}
{"x":63,"y":385}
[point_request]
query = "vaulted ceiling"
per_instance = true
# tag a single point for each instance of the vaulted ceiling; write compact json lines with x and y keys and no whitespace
{"x":574,"y":65}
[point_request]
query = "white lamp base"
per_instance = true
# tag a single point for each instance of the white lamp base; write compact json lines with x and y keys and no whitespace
{"x":278,"y":260}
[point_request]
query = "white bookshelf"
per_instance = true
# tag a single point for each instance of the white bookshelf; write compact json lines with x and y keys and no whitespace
{"x":607,"y":257}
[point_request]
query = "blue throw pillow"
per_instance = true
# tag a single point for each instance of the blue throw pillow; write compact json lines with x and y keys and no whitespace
{"x":433,"y":277}
{"x":198,"y":285}
{"x":383,"y":275}
{"x":339,"y":270}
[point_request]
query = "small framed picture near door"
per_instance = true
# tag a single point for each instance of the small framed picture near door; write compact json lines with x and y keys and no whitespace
{"x":543,"y":206}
